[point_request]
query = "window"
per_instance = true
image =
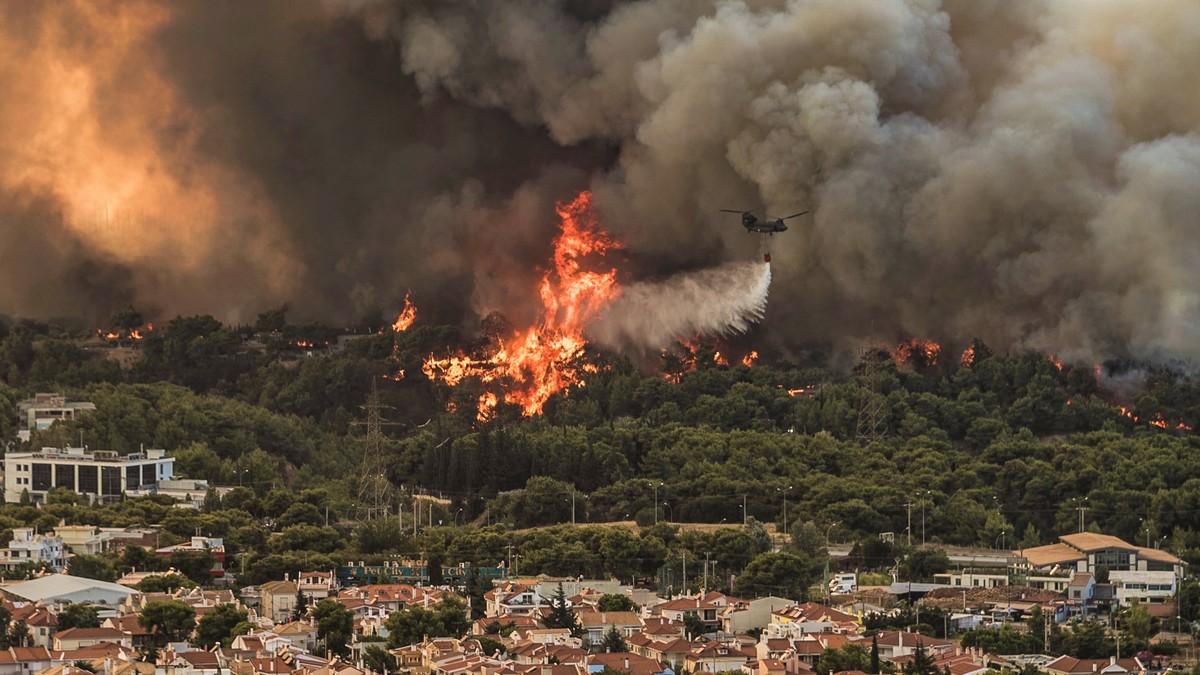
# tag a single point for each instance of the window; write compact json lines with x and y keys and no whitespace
{"x":41,"y":476}
{"x":89,"y":480}
{"x":64,"y":476}
{"x":110,"y":481}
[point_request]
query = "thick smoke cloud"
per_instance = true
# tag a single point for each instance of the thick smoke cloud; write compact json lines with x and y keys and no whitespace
{"x":1025,"y":171}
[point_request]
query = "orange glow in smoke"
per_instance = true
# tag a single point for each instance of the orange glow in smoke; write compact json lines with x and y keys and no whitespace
{"x":749,"y":359}
{"x":534,"y":364}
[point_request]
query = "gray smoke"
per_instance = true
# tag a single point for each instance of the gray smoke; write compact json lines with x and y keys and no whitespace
{"x":715,"y":302}
{"x":1024,"y":171}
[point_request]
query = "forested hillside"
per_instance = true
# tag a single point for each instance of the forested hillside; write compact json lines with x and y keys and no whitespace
{"x":999,"y":449}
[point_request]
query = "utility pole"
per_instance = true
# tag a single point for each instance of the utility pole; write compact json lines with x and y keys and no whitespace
{"x":908,"y":504}
{"x":1082,"y":510}
{"x":508,"y":568}
{"x":656,"y":486}
{"x":572,"y":506}
{"x":685,"y":571}
{"x":706,"y":556}
{"x":744,"y":510}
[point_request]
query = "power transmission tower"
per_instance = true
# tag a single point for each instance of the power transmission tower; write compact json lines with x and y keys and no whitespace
{"x":872,"y":422}
{"x":375,"y":491}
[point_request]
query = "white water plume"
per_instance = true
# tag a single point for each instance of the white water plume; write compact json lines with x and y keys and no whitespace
{"x":718,"y":301}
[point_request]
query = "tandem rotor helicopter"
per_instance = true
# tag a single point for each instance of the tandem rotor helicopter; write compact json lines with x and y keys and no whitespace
{"x":768,"y":225}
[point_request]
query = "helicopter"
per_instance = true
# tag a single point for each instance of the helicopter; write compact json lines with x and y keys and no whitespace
{"x":766,"y":226}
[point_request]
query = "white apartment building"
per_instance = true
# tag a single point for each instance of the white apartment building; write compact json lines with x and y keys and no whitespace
{"x":43,"y":410}
{"x":98,"y":475}
{"x":29,"y":547}
{"x":1143,"y":587}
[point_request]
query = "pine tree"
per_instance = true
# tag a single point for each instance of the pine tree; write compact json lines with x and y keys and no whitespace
{"x":561,"y":615}
{"x":301,"y":607}
{"x":922,"y":663}
{"x":875,"y":664}
{"x":613,"y":642}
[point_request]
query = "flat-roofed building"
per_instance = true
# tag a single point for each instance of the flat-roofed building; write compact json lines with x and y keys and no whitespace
{"x":43,"y":410}
{"x":100,"y":475}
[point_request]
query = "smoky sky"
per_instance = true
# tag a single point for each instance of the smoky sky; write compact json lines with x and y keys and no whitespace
{"x":1023,"y":171}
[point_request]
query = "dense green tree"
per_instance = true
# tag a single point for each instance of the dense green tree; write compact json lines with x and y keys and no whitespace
{"x":378,"y":660}
{"x":92,"y":567}
{"x":335,"y":626}
{"x":694,"y":626}
{"x":78,"y":615}
{"x":412,"y":624}
{"x":616,"y":602}
{"x":783,"y":574}
{"x":170,"y":620}
{"x":849,"y":657}
{"x":922,"y":563}
{"x":217,"y":625}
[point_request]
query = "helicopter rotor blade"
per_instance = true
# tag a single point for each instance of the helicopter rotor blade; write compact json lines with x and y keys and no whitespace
{"x":732,"y":211}
{"x":794,"y":215}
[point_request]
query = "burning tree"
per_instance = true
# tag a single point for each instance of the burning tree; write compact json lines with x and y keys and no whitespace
{"x":540,"y":361}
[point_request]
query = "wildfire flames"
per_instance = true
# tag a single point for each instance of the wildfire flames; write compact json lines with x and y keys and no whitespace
{"x":917,"y":352}
{"x":546,"y":359}
{"x":132,"y":334}
{"x":407,"y":316}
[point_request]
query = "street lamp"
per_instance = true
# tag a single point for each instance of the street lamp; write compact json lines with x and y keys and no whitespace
{"x":784,"y":491}
{"x":924,"y":496}
{"x":828,"y":590}
{"x":656,"y":486}
{"x":670,"y":512}
{"x":456,"y":516}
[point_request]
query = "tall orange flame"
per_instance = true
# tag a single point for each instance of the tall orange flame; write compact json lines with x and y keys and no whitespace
{"x":543,"y":360}
{"x":407,"y":316}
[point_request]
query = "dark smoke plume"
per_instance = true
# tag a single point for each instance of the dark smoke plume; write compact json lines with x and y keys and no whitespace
{"x":1025,"y":171}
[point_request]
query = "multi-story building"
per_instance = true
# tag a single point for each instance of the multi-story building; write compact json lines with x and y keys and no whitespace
{"x":83,"y":539}
{"x":212,"y":545}
{"x":1134,"y":572}
{"x":96,"y":474}
{"x":39,"y":412}
{"x":27,"y":546}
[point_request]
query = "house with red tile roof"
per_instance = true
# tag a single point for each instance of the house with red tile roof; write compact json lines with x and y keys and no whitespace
{"x":24,"y":660}
{"x":77,"y":638}
{"x":510,"y":598}
{"x":1068,"y":665}
{"x":624,"y":661}
{"x":715,"y":657}
{"x":764,"y":667}
{"x":744,"y":615}
{"x":895,"y":644}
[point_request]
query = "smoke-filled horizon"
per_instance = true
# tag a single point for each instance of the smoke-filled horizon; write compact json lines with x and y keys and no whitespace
{"x":1023,"y":171}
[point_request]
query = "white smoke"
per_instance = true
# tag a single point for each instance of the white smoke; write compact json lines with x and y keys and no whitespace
{"x":720,"y":301}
